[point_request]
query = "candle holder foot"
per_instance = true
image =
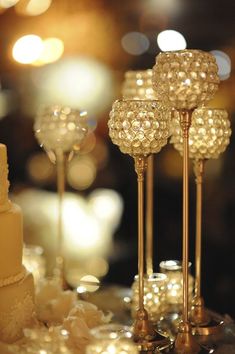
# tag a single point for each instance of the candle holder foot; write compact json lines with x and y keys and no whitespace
{"x":202,"y":322}
{"x":145,"y":336}
{"x":185,"y":343}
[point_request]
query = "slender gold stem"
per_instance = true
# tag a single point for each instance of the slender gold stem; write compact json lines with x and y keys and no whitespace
{"x":198,"y":170}
{"x":140,"y":166}
{"x":60,"y":163}
{"x":149,"y":215}
{"x":185,"y":121}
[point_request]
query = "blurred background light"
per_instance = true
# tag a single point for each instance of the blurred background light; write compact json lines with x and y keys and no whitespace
{"x":7,"y":102}
{"x":171,"y":40}
{"x":32,"y":7}
{"x":168,"y":7}
{"x":27,"y":49}
{"x":40,"y":169}
{"x":79,"y":82}
{"x":81,"y":172}
{"x":224,"y":64}
{"x":88,"y":283}
{"x":107,"y":205}
{"x":53,"y":49}
{"x":135,"y":43}
{"x":8,"y":3}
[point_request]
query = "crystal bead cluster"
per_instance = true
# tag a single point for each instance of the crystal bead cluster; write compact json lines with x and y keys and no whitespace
{"x":209,"y":133}
{"x":59,"y":127}
{"x":138,"y":85}
{"x":139,"y":127}
{"x":155,"y":287}
{"x":185,"y":79}
{"x":174,"y":283}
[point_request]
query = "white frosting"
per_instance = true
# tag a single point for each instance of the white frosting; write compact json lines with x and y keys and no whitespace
{"x":5,"y":204}
{"x":16,"y":308}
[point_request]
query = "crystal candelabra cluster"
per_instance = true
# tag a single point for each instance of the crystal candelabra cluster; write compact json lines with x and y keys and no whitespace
{"x":155,"y":290}
{"x":139,"y":127}
{"x":58,"y":127}
{"x":208,"y":135}
{"x":185,"y":79}
{"x":138,"y":85}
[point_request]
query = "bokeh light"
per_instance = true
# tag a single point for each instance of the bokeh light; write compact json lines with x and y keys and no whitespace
{"x":8,"y":3}
{"x":135,"y":43}
{"x":169,"y":40}
{"x":53,"y":49}
{"x":224,"y":64}
{"x":107,"y":205}
{"x":81,"y":172}
{"x":88,"y":283}
{"x":97,"y":266}
{"x":79,"y":82}
{"x":32,"y":7}
{"x":40,"y":169}
{"x":27,"y":49}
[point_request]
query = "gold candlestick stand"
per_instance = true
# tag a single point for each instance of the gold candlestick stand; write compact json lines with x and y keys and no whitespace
{"x":202,"y":322}
{"x":139,"y":128}
{"x":185,"y":342}
{"x":58,"y":129}
{"x":209,"y":137}
{"x":59,"y":270}
{"x":144,"y":334}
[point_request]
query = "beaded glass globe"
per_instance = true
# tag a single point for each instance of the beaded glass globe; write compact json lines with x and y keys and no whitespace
{"x":139,"y":127}
{"x":138,"y":85}
{"x":185,"y":79}
{"x":209,"y":133}
{"x":155,"y":288}
{"x":59,"y":127}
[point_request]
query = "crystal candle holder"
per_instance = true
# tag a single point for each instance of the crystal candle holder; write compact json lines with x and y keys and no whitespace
{"x":139,"y":127}
{"x":60,"y":128}
{"x":34,"y":261}
{"x":174,"y":284}
{"x":185,"y":79}
{"x":208,"y":135}
{"x":111,"y":339}
{"x":155,"y":290}
{"x":138,"y":85}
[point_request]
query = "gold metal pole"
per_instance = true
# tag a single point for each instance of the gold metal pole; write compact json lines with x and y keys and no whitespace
{"x":199,"y":315}
{"x":198,"y":171}
{"x":60,"y":164}
{"x":185,"y":342}
{"x":144,"y":334}
{"x":140,"y":166}
{"x":149,"y":215}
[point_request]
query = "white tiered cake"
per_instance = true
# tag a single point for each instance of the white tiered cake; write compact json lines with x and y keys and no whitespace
{"x":16,"y":284}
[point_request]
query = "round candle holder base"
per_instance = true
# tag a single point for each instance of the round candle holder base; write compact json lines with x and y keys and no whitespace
{"x":213,"y":327}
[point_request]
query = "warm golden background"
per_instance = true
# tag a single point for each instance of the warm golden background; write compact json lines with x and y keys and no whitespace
{"x":101,"y":232}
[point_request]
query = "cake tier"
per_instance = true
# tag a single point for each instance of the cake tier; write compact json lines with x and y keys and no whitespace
{"x":16,"y":308}
{"x":11,"y":242}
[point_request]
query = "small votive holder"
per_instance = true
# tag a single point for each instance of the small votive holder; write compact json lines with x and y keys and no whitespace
{"x":174,"y":285}
{"x":154,"y":295}
{"x":111,"y":339}
{"x":34,"y":261}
